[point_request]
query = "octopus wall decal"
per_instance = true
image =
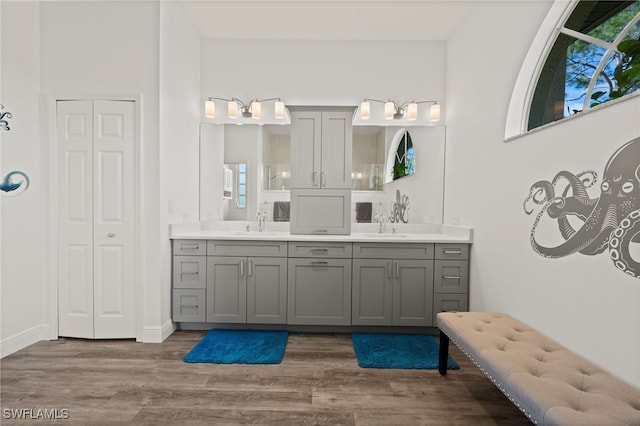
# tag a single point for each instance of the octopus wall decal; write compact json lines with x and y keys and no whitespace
{"x":609,"y":222}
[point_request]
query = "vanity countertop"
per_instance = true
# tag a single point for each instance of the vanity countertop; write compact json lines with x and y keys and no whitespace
{"x":401,"y":233}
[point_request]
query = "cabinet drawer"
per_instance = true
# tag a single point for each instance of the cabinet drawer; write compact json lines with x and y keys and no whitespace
{"x":189,"y":271}
{"x":320,"y":249}
{"x":393,"y":251}
{"x":449,"y":303}
{"x":189,"y":247}
{"x":451,"y":276}
{"x":189,"y":305}
{"x":245,"y":248}
{"x":452,"y":251}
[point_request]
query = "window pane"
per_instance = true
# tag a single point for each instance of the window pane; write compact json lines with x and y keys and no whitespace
{"x":242,"y":190}
{"x":242,"y":201}
{"x":242,"y":178}
{"x":602,"y":19}
{"x":242,"y":168}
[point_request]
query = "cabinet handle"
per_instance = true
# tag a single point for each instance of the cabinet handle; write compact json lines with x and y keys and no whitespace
{"x":389,"y":269}
{"x":188,"y":246}
{"x":111,"y":235}
{"x":320,"y":263}
{"x":242,"y":268}
{"x":250,"y":268}
{"x":397,"y":269}
{"x":319,"y":231}
{"x":326,"y":250}
{"x":452,"y":251}
{"x":323,"y":178}
{"x":450,"y":277}
{"x":189,"y":306}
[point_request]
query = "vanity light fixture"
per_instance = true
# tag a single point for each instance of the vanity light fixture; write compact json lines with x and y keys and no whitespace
{"x":251,"y":109}
{"x":393,"y":111}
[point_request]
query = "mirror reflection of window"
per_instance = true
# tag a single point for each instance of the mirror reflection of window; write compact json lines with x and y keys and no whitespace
{"x":276,"y":158}
{"x":402,"y":158}
{"x":368,"y":158}
{"x":241,"y":199}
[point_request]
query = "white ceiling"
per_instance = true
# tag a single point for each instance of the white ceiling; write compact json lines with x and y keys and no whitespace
{"x":325,"y":20}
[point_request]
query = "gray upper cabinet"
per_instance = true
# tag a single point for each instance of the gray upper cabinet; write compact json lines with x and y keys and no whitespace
{"x":321,"y":148}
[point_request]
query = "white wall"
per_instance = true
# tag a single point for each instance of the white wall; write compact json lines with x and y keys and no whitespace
{"x":22,"y":283}
{"x":582,"y":301}
{"x":179,"y":75}
{"x":73,"y":49}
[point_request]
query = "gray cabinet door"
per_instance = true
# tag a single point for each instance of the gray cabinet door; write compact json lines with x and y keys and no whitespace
{"x":189,"y":272}
{"x":306,"y":148}
{"x":372,"y":292}
{"x":226,"y":289}
{"x":266,"y":290}
{"x":189,"y":305}
{"x":319,"y":291}
{"x":443,"y":302}
{"x":451,"y":276}
{"x":413,"y":293}
{"x":337,"y":146}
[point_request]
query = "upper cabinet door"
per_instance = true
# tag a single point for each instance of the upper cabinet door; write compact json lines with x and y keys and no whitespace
{"x":337,"y":143}
{"x":306,"y":148}
{"x":321,"y":149}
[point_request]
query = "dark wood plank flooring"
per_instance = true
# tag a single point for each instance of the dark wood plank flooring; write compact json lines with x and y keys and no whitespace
{"x":318,"y":383}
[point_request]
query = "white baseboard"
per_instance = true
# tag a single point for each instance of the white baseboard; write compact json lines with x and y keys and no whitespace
{"x":158,"y":334}
{"x":23,"y":339}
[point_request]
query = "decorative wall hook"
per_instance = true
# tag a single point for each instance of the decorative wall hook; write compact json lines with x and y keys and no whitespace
{"x":3,"y":122}
{"x":9,"y":183}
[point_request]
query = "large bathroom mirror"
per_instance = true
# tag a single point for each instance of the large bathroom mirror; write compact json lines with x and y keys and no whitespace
{"x":265,"y":150}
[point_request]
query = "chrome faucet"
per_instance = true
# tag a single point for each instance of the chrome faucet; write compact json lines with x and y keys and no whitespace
{"x":262,"y":220}
{"x":380,"y":219}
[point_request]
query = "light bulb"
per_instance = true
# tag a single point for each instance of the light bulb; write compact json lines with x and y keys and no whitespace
{"x":389,"y":110}
{"x":209,"y":109}
{"x":256,"y":110}
{"x":412,"y":111}
{"x":434,"y":112}
{"x":279,"y":110}
{"x":365,"y":110}
{"x":232,"y":109}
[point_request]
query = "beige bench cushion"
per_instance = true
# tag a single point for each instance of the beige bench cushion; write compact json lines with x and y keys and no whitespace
{"x":550,"y":384}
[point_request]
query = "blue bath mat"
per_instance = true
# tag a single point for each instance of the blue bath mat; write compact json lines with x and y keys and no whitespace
{"x":240,"y":347}
{"x":403,"y":351}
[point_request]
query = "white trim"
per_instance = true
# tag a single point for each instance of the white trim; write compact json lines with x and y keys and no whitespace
{"x":23,"y":339}
{"x":586,"y":37}
{"x":518,"y":112}
{"x":154,"y":334}
{"x":49,"y":156}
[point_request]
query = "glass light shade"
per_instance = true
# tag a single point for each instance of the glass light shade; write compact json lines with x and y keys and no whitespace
{"x":209,"y":109}
{"x":232,"y":109}
{"x":256,"y":110}
{"x":279,"y":110}
{"x":412,"y":111}
{"x":434,"y":112}
{"x":389,"y":110}
{"x":365,"y":110}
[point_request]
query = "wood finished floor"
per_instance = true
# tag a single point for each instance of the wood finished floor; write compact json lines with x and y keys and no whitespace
{"x":317,"y":383}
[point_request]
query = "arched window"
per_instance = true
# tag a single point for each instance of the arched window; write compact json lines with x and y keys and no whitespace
{"x":402,"y":159}
{"x":594,"y":59}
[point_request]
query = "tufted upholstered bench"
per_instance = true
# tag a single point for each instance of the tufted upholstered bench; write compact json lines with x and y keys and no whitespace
{"x":547,"y":382}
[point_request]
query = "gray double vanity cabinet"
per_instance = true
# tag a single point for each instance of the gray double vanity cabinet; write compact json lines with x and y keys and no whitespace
{"x":348,"y":282}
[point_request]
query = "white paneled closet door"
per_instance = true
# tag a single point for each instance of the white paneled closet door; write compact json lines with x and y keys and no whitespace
{"x":96,"y":218}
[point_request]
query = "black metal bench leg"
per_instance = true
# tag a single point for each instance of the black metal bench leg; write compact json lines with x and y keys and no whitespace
{"x":443,"y":355}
